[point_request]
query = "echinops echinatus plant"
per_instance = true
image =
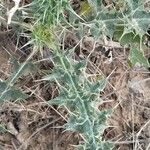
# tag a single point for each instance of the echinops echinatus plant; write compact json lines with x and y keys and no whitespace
{"x":122,"y":21}
{"x":79,"y":96}
{"x":77,"y":93}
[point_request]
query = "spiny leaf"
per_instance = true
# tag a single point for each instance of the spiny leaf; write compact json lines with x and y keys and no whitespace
{"x":97,"y":86}
{"x":141,"y":21}
{"x":57,"y":101}
{"x":78,"y":66}
{"x":21,"y":69}
{"x":12,"y":94}
{"x":130,"y":38}
{"x":137,"y":56}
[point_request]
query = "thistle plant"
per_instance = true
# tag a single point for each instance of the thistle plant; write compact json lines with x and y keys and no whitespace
{"x":124,"y":20}
{"x":77,"y":93}
{"x":80,"y":96}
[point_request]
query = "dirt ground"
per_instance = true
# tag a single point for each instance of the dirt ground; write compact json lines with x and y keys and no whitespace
{"x":33,"y":124}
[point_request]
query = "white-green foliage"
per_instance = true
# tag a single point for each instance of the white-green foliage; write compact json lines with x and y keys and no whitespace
{"x":136,"y":56}
{"x":49,"y":12}
{"x":132,"y":15}
{"x":8,"y":91}
{"x":126,"y":22}
{"x":79,"y":95}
